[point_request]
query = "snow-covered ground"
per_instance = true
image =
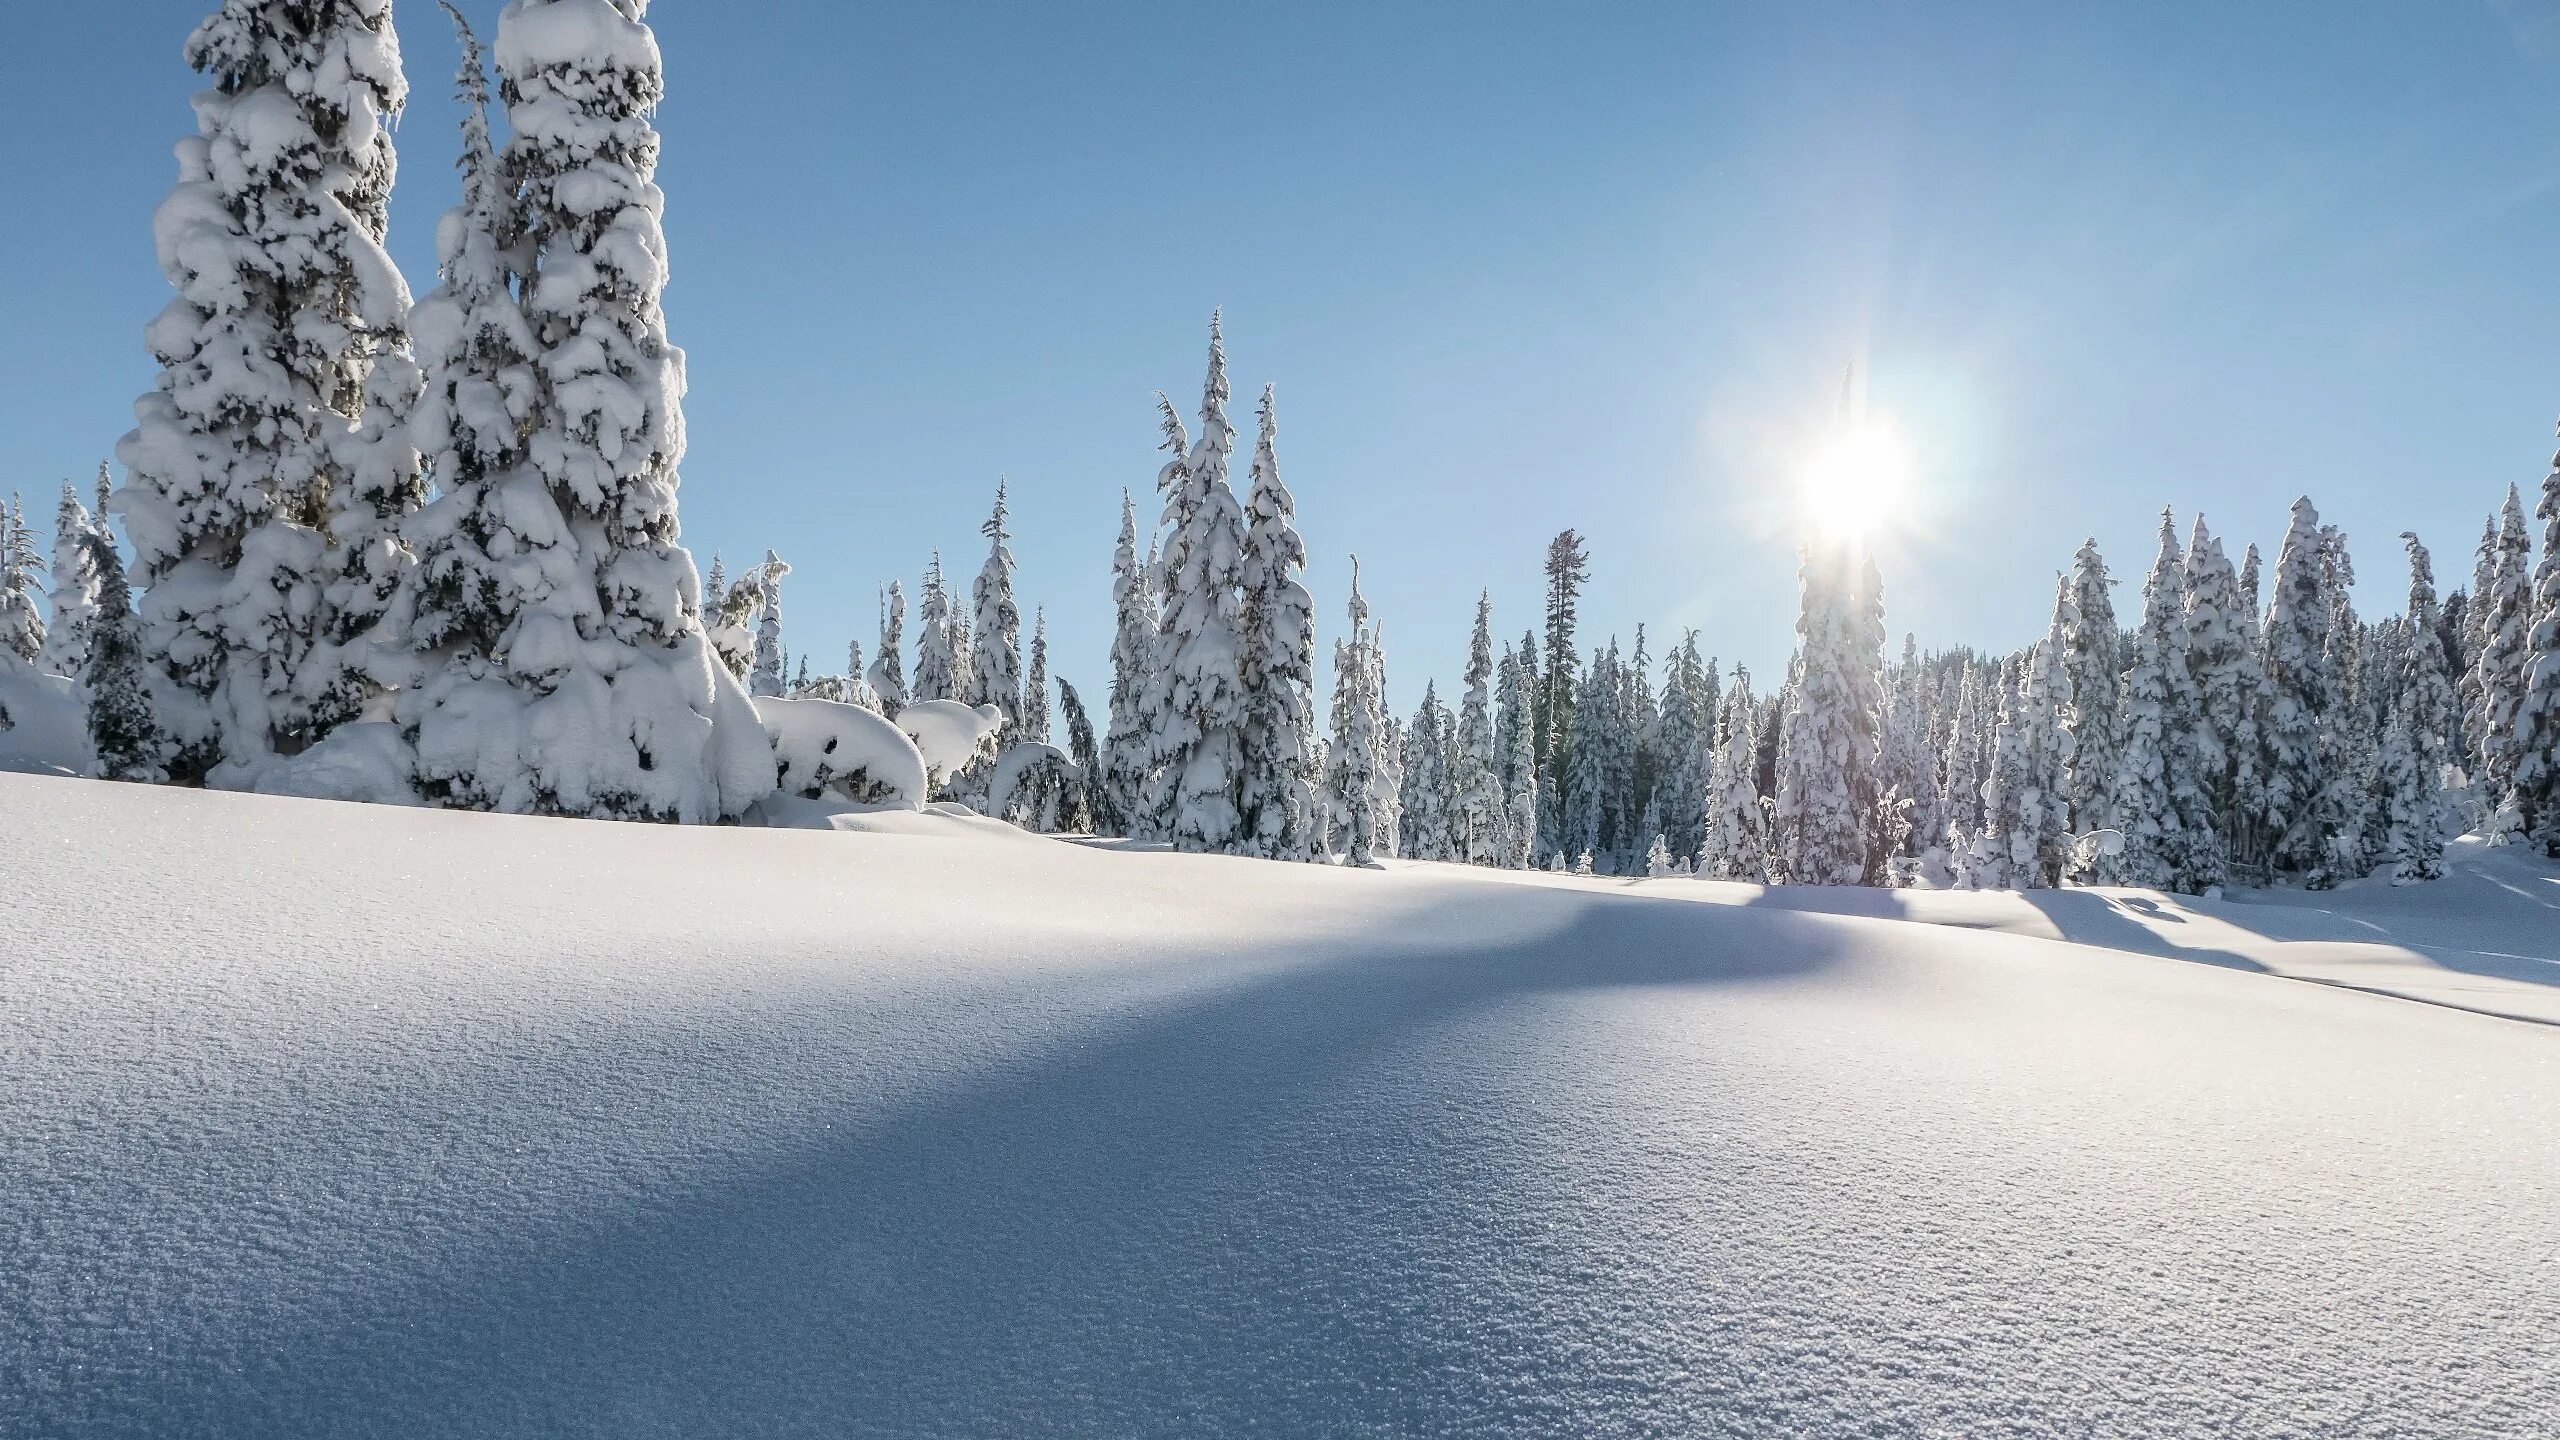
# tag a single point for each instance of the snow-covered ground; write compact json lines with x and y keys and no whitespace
{"x":333,"y":1119}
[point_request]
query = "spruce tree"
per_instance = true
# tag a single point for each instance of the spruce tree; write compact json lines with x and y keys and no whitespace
{"x":74,"y":596}
{"x":888,"y":673}
{"x":2504,"y":627}
{"x":2093,"y":705}
{"x":1122,"y":783}
{"x":1354,"y":776}
{"x":1483,"y":820}
{"x":2224,"y":664}
{"x":2301,"y":693}
{"x":272,"y":238}
{"x":766,"y":676}
{"x":1685,"y":751}
{"x":1077,"y":817}
{"x":995,"y":653}
{"x":1828,"y":737}
{"x":1158,"y":797}
{"x":1963,"y":768}
{"x":1516,"y":746}
{"x":2421,"y":733}
{"x":2025,"y":834}
{"x":2537,"y":711}
{"x":1277,"y":667}
{"x":1035,"y":682}
{"x":936,"y":677}
{"x":123,"y":732}
{"x":22,"y":629}
{"x":1735,"y":844}
{"x":2344,"y":812}
{"x":1427,"y":830}
{"x":1568,"y":567}
{"x":1200,"y":743}
{"x":2161,"y":803}
{"x":2475,"y":638}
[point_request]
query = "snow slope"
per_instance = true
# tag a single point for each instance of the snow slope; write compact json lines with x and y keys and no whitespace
{"x":332,"y":1119}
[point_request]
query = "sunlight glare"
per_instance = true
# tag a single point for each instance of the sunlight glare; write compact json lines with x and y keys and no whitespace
{"x":1853,"y":485}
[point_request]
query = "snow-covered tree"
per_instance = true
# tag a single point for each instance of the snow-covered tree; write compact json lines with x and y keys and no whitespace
{"x":2505,"y":618}
{"x":1076,"y":815}
{"x":574,"y":676}
{"x":1568,"y":567}
{"x":2223,"y":660}
{"x":1516,"y":731}
{"x":766,"y":676}
{"x":123,"y":731}
{"x":1355,"y":777}
{"x":1657,"y":860}
{"x":1735,"y":845}
{"x":2093,"y":706}
{"x":2421,"y":734}
{"x":1963,"y":769}
{"x":2301,"y":692}
{"x":1684,"y":751}
{"x":2160,"y":802}
{"x":74,"y":597}
{"x":1035,"y":682}
{"x":2025,"y":834}
{"x":2537,"y":712}
{"x":1121,"y":787}
{"x":2344,"y":810}
{"x":1827,"y":752}
{"x":1427,"y":805}
{"x":888,"y":673}
{"x":1277,"y":667}
{"x":22,"y":628}
{"x":935,"y":677}
{"x":995,"y":653}
{"x":1200,"y":741}
{"x":272,"y":239}
{"x":1482,"y":816}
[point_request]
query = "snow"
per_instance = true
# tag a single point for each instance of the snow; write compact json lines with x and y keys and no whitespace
{"x":562,"y":1126}
{"x":949,"y":733}
{"x":44,"y":726}
{"x":825,"y":744}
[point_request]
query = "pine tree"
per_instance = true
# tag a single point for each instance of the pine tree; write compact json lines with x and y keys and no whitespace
{"x":1354,"y":777}
{"x":2537,"y":710}
{"x":888,"y":673}
{"x":273,"y":239}
{"x":1568,"y":567}
{"x":937,"y":677}
{"x":2223,"y":660}
{"x":2343,"y":810}
{"x":1122,"y":782}
{"x":1158,"y":797}
{"x":2093,"y":705}
{"x":1516,"y":731}
{"x":1077,"y":816}
{"x":1426,"y":803}
{"x":2025,"y":833}
{"x":995,"y":654}
{"x":1827,"y":750}
{"x":2421,"y":734}
{"x":123,"y":732}
{"x":1482,"y":820}
{"x":74,"y":598}
{"x":1035,"y":682}
{"x":2302,"y":692}
{"x":1200,"y":744}
{"x":1277,"y":667}
{"x":2499,"y":673}
{"x":1685,"y":752}
{"x":1736,"y":841}
{"x":766,"y":677}
{"x":2475,"y":638}
{"x":1909,"y":766}
{"x":2160,"y":802}
{"x":1964,"y":768}
{"x":22,"y":628}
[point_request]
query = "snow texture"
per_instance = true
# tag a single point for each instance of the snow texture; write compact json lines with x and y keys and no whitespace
{"x":823,"y":745}
{"x":1148,"y":1144}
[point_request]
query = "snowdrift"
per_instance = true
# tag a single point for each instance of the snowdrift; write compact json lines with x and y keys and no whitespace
{"x":356,"y":1120}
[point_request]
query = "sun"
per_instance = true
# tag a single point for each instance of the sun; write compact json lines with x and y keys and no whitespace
{"x":1853,"y":485}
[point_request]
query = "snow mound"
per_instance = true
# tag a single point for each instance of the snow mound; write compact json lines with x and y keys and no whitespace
{"x":44,"y":722}
{"x":823,"y":745}
{"x":367,"y":762}
{"x":573,"y":1127}
{"x":950,"y":734}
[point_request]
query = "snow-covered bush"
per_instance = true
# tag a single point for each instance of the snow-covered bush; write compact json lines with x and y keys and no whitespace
{"x":822,"y":745}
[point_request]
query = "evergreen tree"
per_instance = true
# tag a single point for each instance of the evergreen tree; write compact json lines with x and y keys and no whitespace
{"x":766,"y":677}
{"x":1685,"y":752}
{"x":2302,"y":691}
{"x":22,"y":629}
{"x":1122,"y":782}
{"x":272,"y":238}
{"x":937,"y":676}
{"x":888,"y":673}
{"x":1964,"y":768}
{"x":2475,"y":638}
{"x":2537,"y":711}
{"x":1200,"y":744}
{"x":1035,"y":684}
{"x":1909,"y":762}
{"x":2345,"y":815}
{"x":1735,"y":845}
{"x":1592,"y":770}
{"x":2223,"y":660}
{"x":1516,"y":741}
{"x":1077,"y":816}
{"x":74,"y":600}
{"x":2160,"y":803}
{"x":1160,"y":797}
{"x":1482,"y":818}
{"x":1827,"y":752}
{"x":122,"y":729}
{"x":1354,"y":776}
{"x":2421,"y":735}
{"x":995,"y":648}
{"x":1568,"y":567}
{"x":2499,"y":673}
{"x":570,"y":671}
{"x":1277,"y":668}
{"x":2025,"y":834}
{"x":1426,"y":804}
{"x":2093,"y":705}
{"x":1657,"y":859}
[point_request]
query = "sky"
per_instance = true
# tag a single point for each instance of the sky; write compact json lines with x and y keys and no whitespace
{"x":1511,"y":267}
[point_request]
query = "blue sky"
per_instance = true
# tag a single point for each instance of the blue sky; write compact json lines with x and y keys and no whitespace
{"x":1513,"y":267}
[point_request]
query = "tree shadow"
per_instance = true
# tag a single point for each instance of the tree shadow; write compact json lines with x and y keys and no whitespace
{"x":1197,"y":1220}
